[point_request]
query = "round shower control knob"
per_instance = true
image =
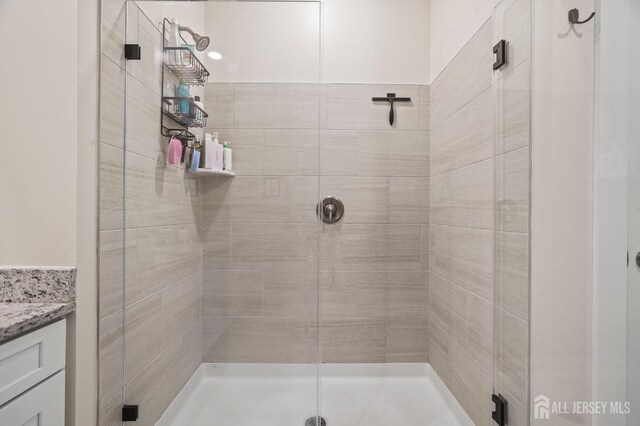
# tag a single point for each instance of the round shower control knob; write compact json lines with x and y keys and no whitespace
{"x":315,"y":421}
{"x":330,"y":210}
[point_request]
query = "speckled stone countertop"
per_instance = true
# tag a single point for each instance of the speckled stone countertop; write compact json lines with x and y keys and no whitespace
{"x":20,"y":318}
{"x":33,"y":297}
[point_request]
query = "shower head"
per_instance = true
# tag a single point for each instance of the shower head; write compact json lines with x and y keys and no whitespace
{"x":202,"y":42}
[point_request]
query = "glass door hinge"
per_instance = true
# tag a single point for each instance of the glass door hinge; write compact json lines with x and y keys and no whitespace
{"x":132,"y":52}
{"x":500,"y":50}
{"x":500,"y":413}
{"x":129,"y":413}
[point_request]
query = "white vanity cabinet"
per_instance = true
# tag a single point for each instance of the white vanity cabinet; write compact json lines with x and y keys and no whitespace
{"x":32,"y":384}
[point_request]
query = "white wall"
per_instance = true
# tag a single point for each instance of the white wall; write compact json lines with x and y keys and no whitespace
{"x":265,"y":41}
{"x":616,"y":364}
{"x":561,"y":255}
{"x":376,"y":41}
{"x":364,"y":41}
{"x":82,"y":371}
{"x":453,"y":23}
{"x":610,"y":214}
{"x":47,"y":178}
{"x":633,"y":337}
{"x":190,"y":14}
{"x":38,"y":107}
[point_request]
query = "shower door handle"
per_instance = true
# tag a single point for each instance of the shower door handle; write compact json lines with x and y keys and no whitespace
{"x":330,"y":209}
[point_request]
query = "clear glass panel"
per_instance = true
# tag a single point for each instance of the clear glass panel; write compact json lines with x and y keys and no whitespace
{"x":512,"y":145}
{"x":374,"y":294}
{"x":222,"y":271}
{"x":617,"y":212}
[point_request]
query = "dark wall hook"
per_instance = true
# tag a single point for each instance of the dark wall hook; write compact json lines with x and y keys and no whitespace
{"x":574,"y":17}
{"x":391,"y":98}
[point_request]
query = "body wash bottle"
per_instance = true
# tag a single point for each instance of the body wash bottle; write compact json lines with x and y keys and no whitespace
{"x":195,"y":156}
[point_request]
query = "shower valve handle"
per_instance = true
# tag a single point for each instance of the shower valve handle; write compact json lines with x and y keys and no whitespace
{"x":330,"y":210}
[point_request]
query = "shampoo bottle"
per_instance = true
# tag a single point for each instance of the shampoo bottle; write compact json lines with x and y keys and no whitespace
{"x":218,"y":153}
{"x":174,"y":33}
{"x":226,"y":156}
{"x":174,"y":56}
{"x":182,"y":91}
{"x":198,"y":112}
{"x":208,"y":151}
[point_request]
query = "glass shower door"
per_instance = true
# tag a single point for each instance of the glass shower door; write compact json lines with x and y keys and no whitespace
{"x":512,"y":159}
{"x":221,"y":282}
{"x":162,"y":236}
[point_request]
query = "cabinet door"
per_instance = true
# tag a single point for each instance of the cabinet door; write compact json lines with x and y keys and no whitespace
{"x":41,"y":406}
{"x":28,"y":360}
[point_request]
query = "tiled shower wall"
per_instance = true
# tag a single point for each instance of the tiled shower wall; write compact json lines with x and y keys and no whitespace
{"x":480,"y":183}
{"x":462,"y":219}
{"x":149,"y":235}
{"x":264,"y":249}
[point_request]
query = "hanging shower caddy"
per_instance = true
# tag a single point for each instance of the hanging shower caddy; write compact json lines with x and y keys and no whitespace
{"x":183,"y":62}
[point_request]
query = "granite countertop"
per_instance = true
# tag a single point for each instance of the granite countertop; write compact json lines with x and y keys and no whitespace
{"x":33,"y":297}
{"x":19,"y":318}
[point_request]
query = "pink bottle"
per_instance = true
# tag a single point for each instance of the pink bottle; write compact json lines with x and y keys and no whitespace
{"x":175,"y":151}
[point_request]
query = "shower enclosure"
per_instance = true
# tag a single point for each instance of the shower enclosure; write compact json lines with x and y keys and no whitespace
{"x":369,"y":258}
{"x":347,"y":271}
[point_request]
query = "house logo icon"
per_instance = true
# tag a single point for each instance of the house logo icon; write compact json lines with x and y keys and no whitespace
{"x":541,"y":407}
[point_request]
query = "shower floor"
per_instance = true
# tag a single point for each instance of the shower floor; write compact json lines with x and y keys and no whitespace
{"x":286,"y":395}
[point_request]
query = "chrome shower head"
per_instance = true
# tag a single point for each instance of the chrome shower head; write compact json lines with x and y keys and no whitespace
{"x":202,"y":42}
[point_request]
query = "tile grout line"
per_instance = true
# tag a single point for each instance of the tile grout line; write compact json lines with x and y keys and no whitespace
{"x":465,"y":105}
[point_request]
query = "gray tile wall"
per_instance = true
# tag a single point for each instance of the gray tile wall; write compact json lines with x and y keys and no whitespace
{"x":479,"y":214}
{"x":150,"y":255}
{"x":462,"y":220}
{"x":264,"y":249}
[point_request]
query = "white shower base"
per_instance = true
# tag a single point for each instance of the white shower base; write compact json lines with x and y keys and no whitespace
{"x":286,"y":395}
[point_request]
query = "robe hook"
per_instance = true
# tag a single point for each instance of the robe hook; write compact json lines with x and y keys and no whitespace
{"x":574,"y":17}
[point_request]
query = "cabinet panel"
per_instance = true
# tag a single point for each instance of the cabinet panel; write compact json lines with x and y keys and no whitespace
{"x":41,"y":406}
{"x":27,"y":360}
